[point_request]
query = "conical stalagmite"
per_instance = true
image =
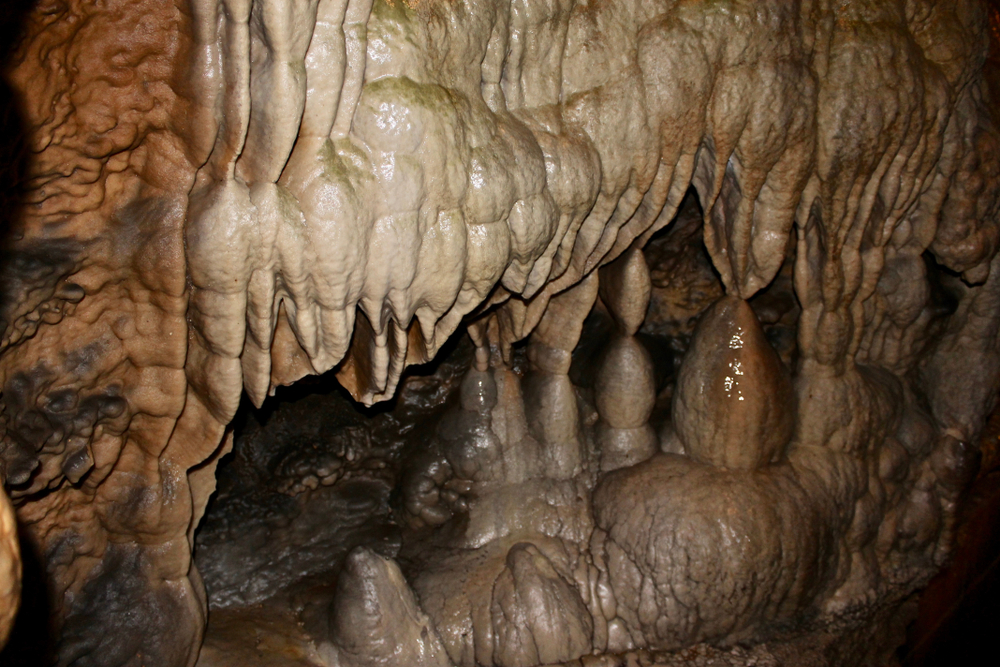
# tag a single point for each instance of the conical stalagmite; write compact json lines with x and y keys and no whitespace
{"x":734,"y":405}
{"x":625,"y":387}
{"x":538,"y":618}
{"x":376,"y":621}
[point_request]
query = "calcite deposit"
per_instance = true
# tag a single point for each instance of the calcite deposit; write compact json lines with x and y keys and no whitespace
{"x":665,"y":324}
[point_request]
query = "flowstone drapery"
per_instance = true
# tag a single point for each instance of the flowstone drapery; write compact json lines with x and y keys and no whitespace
{"x":729,"y":270}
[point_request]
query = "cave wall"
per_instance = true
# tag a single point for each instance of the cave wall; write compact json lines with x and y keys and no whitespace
{"x":212,"y":199}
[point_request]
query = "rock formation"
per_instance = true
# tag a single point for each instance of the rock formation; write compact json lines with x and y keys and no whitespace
{"x":218,"y":198}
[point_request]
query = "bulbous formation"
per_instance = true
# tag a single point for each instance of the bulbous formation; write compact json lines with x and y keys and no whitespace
{"x":214,"y":197}
{"x":734,"y":406}
{"x":10,"y":568}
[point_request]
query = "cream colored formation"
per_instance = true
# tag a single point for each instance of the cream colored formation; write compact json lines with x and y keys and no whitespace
{"x":477,"y":163}
{"x":299,"y":186}
{"x":10,"y":568}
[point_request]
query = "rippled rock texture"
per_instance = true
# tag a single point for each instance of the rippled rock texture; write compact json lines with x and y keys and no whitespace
{"x":728,"y":279}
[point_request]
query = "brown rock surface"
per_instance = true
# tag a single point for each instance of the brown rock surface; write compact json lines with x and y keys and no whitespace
{"x":208,"y":197}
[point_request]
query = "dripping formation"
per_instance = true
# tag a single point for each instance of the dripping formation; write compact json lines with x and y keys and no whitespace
{"x":228,"y":196}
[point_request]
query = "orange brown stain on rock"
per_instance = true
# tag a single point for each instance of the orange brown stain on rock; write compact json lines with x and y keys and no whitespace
{"x":103,"y":103}
{"x":98,"y":93}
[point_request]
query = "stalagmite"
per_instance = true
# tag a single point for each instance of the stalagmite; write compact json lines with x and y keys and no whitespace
{"x":550,"y":399}
{"x":624,"y":389}
{"x":375,"y":619}
{"x":733,"y":405}
{"x":538,"y":618}
{"x":790,"y":213}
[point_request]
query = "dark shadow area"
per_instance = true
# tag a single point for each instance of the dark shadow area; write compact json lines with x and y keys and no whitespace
{"x":958,"y":612}
{"x":30,"y":642}
{"x":13,"y":137}
{"x":311,"y":475}
{"x":317,"y":404}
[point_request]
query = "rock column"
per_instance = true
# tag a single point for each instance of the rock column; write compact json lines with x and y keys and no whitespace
{"x":550,"y":399}
{"x":625,"y":387}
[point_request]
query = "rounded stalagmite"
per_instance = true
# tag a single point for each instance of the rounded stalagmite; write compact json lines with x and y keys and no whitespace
{"x":734,"y":405}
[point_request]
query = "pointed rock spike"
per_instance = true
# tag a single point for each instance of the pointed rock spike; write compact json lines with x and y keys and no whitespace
{"x":376,"y":620}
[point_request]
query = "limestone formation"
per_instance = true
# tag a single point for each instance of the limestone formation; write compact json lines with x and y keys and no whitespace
{"x":624,"y":387}
{"x":733,"y":405}
{"x":10,"y":568}
{"x":729,"y":276}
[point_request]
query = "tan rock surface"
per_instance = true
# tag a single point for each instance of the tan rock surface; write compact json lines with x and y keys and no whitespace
{"x":224,"y":196}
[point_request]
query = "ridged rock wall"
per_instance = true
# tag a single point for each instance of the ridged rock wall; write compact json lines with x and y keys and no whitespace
{"x":222,"y":196}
